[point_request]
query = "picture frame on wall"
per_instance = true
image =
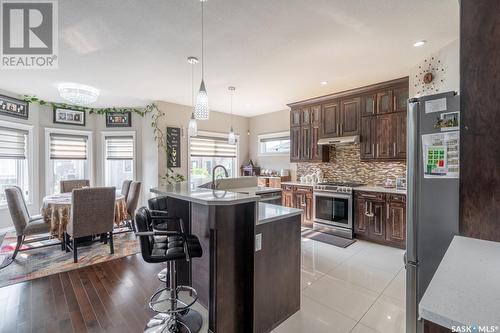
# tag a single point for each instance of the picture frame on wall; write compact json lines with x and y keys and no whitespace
{"x":119,"y":119}
{"x":14,"y":107}
{"x":69,"y":117}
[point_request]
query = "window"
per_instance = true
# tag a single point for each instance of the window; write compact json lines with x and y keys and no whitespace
{"x":274,"y":144}
{"x":69,"y":157}
{"x":208,"y":150}
{"x":15,"y":158}
{"x":119,"y":159}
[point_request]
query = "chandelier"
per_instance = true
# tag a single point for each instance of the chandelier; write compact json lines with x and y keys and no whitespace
{"x":78,"y":94}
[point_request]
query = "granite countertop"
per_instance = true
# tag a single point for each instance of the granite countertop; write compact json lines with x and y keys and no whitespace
{"x":189,"y":192}
{"x":381,"y":189}
{"x":255,"y":190}
{"x":269,"y":212}
{"x":465,"y":288}
{"x":296,"y":183}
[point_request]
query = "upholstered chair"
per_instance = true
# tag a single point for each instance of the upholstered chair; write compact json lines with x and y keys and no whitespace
{"x":92,"y":213}
{"x":132,"y":201}
{"x":24,"y":224}
{"x":126,"y":188}
{"x":69,"y":185}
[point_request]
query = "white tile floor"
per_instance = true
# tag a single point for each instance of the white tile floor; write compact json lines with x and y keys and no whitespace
{"x":360,"y":289}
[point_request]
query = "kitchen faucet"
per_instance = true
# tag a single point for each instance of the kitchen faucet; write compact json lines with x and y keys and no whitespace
{"x":214,"y":184}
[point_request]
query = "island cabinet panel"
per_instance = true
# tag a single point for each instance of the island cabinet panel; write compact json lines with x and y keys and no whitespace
{"x":349,"y":116}
{"x":279,"y":257}
{"x":330,"y":120}
{"x":380,"y":217}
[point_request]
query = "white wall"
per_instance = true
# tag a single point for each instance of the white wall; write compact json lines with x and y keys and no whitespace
{"x":450,"y":58}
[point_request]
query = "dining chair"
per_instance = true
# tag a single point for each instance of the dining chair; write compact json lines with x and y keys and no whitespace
{"x":92,"y":213}
{"x":69,"y":185}
{"x":132,"y":201}
{"x":125,"y":188}
{"x":24,"y":223}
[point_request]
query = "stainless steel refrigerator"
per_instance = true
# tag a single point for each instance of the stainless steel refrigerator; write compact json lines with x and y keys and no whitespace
{"x":432,"y":199}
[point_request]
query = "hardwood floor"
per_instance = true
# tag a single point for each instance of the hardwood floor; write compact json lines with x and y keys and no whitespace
{"x":106,"y":297}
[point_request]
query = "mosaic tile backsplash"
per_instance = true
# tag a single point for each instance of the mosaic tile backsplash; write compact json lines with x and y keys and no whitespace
{"x":346,"y":165}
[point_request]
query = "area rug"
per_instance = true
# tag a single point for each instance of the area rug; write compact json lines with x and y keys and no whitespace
{"x":327,"y":238}
{"x":39,"y":262}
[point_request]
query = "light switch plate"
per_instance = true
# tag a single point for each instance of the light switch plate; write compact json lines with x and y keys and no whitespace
{"x":258,"y":242}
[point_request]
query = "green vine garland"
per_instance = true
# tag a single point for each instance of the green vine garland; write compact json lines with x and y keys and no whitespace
{"x":160,"y":136}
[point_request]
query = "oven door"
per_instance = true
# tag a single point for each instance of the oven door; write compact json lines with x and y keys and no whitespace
{"x":333,"y":209}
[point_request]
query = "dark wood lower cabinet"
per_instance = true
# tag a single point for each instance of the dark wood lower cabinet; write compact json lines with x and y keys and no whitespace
{"x":299,"y":197}
{"x":430,"y":327}
{"x":380,"y":217}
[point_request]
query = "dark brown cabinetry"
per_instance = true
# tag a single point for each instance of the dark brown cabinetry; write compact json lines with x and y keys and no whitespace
{"x":299,"y":197}
{"x":380,"y":217}
{"x":376,"y":113}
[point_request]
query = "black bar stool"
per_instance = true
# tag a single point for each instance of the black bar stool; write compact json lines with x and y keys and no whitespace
{"x":169,"y":246}
{"x":158,"y":207}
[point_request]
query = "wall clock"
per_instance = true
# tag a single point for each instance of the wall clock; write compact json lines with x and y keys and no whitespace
{"x":430,"y":77}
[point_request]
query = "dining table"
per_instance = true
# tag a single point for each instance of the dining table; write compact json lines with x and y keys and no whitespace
{"x":56,"y":211}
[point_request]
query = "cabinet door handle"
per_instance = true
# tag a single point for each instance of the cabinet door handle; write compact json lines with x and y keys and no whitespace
{"x":373,"y":149}
{"x":387,"y":211}
{"x":394,"y":149}
{"x":341,"y":128}
{"x":377,"y":151}
{"x":338,"y":129}
{"x":369,"y":214}
{"x":373,"y":108}
{"x":394,"y":102}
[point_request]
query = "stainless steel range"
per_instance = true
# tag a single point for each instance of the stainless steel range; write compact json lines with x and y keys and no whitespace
{"x":332,"y":208}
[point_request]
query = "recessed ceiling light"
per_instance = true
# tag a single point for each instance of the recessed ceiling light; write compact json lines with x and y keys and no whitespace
{"x":419,"y":43}
{"x":323,"y":83}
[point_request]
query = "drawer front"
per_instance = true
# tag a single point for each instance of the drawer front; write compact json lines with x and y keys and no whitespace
{"x":287,"y":187}
{"x":370,"y":195}
{"x":397,"y":198}
{"x":304,"y":189}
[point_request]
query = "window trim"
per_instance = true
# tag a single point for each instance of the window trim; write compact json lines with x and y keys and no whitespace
{"x":90,"y":152}
{"x":30,"y":155}
{"x":104,"y":134}
{"x":271,"y":136}
{"x":217,"y":135}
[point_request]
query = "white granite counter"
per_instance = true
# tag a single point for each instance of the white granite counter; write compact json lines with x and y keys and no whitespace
{"x":269,"y":213}
{"x":255,"y":190}
{"x":379,"y":189}
{"x":297,"y":183}
{"x":190,"y":192}
{"x":465,"y":289}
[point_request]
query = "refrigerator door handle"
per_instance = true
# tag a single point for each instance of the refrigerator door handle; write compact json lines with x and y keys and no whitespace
{"x":412,"y":176}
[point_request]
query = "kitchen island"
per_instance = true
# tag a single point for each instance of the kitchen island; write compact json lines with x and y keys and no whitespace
{"x":249,"y":275}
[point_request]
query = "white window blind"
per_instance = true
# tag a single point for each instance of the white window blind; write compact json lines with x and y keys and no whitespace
{"x":119,"y":147}
{"x":13,"y":143}
{"x":68,"y":147}
{"x":212,"y":146}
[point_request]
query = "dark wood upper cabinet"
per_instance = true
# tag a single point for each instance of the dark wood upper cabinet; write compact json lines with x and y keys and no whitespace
{"x":368,"y":137}
{"x":305,"y":116}
{"x":349,"y":116}
{"x":330,"y":120}
{"x":400,"y":99}
{"x":316,"y":115}
{"x":369,"y":105}
{"x":384,"y":137}
{"x":399,"y":133}
{"x":295,"y":144}
{"x":305,"y":143}
{"x":295,"y":117}
{"x":384,"y":102}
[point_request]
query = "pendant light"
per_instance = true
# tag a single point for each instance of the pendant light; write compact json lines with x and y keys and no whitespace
{"x":193,"y":126}
{"x":231,"y":139}
{"x":201,"y":110}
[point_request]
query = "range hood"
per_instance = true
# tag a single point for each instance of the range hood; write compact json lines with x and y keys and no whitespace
{"x":342,"y":140}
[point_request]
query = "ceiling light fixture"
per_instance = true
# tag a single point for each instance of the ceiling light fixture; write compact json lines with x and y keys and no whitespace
{"x":324,"y":83}
{"x":193,"y":126}
{"x":78,"y":94}
{"x":419,"y":43}
{"x":201,"y":110}
{"x":231,"y":139}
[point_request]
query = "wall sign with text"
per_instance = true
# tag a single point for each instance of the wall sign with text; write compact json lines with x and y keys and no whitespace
{"x":118,"y":119}
{"x":174,"y":147}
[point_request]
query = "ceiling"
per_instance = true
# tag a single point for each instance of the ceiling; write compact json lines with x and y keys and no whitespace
{"x":274,"y":52}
